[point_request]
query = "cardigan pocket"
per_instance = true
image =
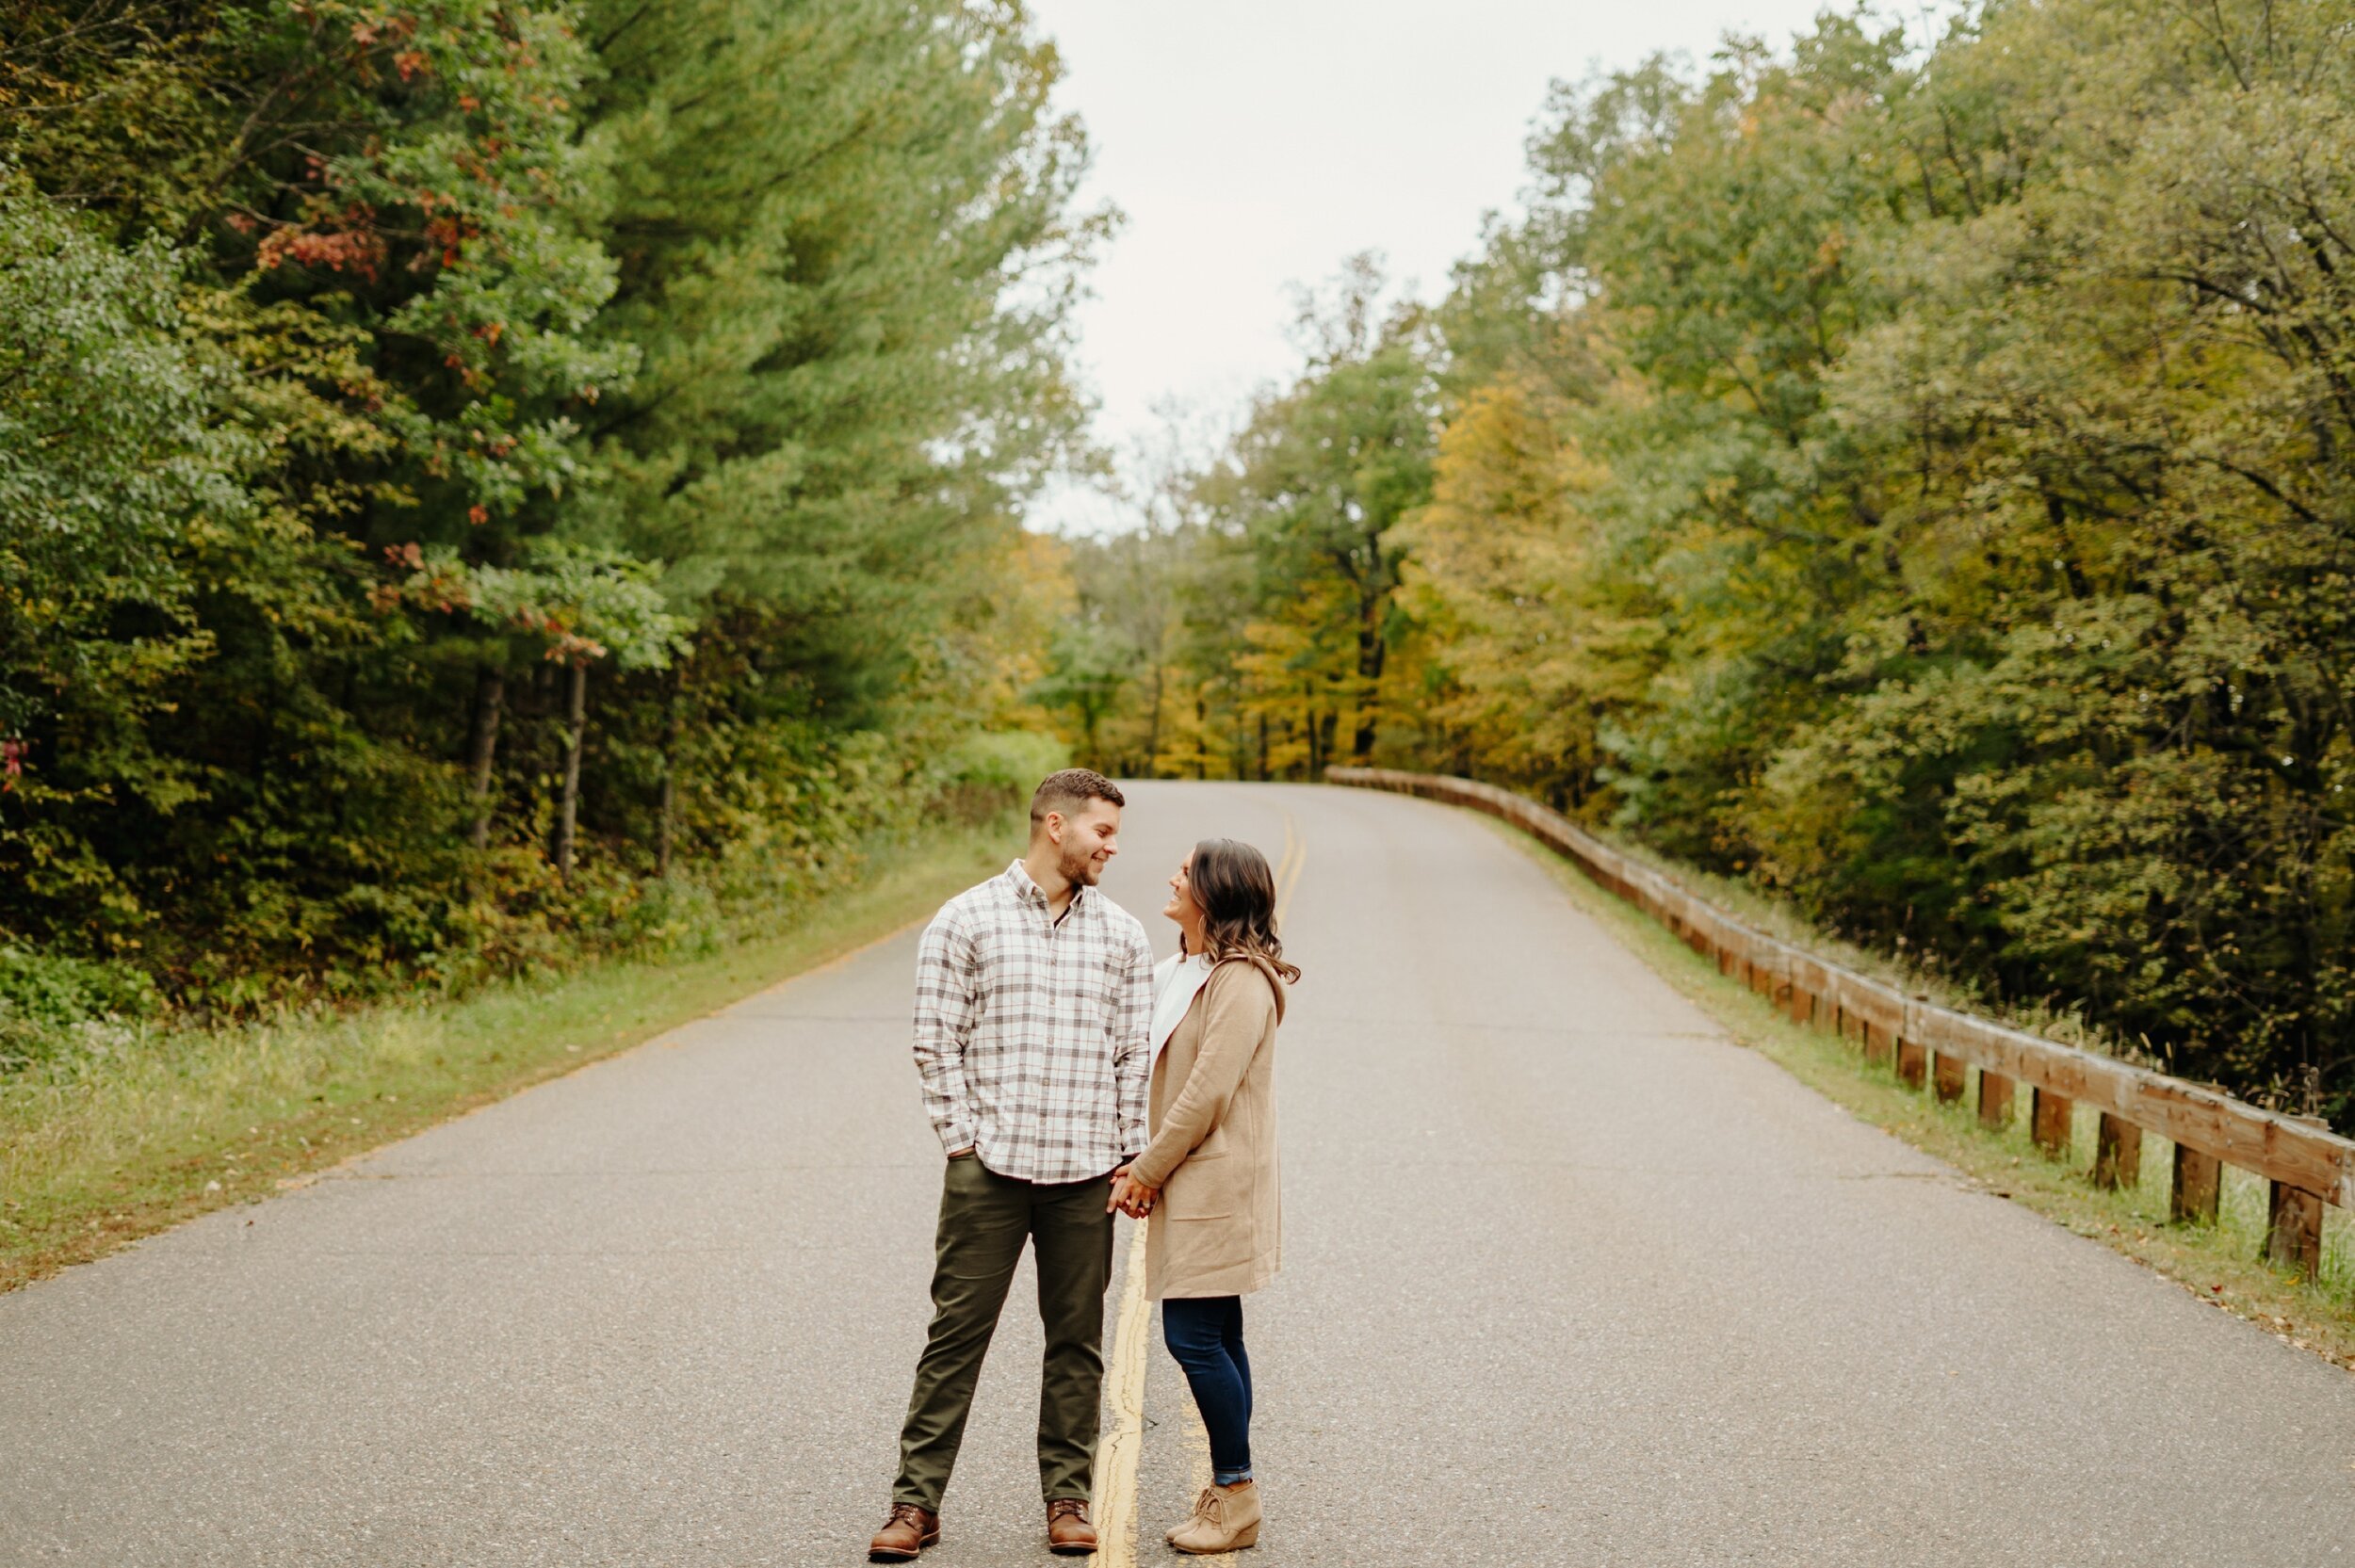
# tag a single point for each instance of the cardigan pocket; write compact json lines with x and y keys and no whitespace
{"x":1222,"y":1217}
{"x":1204,"y":1197}
{"x":1206,"y":1250}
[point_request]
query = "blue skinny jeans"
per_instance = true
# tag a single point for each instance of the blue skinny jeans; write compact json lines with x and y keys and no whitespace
{"x":1205,"y":1333}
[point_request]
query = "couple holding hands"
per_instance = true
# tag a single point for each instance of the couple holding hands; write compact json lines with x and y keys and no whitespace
{"x":1070,"y":1078}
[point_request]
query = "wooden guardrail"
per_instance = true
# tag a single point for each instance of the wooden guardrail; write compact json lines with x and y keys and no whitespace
{"x":2305,"y":1163}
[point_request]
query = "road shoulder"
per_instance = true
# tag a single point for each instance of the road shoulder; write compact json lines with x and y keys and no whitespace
{"x":2216,"y":1264}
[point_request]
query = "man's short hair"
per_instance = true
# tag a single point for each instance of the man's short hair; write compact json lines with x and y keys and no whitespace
{"x":1068,"y":791}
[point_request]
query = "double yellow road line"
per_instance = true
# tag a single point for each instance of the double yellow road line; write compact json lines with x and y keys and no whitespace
{"x":1123,"y":1447}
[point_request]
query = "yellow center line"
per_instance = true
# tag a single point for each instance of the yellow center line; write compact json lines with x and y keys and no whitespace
{"x":1288,"y":874}
{"x":1117,"y":1456}
{"x":1123,"y":1447}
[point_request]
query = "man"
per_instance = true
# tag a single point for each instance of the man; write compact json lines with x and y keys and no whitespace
{"x":1033,"y":996}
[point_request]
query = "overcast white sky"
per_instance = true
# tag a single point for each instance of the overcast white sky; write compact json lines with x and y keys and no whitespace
{"x":1254,"y":145}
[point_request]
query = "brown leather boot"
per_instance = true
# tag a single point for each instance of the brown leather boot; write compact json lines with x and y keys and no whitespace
{"x":1068,"y":1532}
{"x":908,"y":1531}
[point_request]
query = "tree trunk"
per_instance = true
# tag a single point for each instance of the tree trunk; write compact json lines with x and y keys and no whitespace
{"x":490,"y":700}
{"x":670,"y":787}
{"x":1153,"y":728}
{"x":568,"y":809}
{"x":1369,"y":652}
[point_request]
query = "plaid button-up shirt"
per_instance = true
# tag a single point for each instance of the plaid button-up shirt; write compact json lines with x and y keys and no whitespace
{"x":1031,"y":1031}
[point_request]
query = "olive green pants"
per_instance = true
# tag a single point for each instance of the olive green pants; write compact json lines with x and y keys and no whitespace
{"x":984,"y":1219}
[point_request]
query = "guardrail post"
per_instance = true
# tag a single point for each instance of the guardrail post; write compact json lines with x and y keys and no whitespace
{"x":1878,"y":1043}
{"x":1946,"y":1072}
{"x":2198,"y":1180}
{"x":1995,"y":1099}
{"x":2117,"y":1154}
{"x":2294,"y":1229}
{"x":2049,"y":1117}
{"x":1802,"y":1003}
{"x":1912,"y":1062}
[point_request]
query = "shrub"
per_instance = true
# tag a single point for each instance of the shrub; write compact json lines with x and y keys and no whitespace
{"x":988,"y":773}
{"x":52,"y":1008}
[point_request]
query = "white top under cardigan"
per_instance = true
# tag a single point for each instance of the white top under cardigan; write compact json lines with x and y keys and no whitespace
{"x":1175,"y":981}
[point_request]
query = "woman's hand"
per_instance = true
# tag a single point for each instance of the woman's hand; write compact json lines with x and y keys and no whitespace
{"x":1130,"y":1196}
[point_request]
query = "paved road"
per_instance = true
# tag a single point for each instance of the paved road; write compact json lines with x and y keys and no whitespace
{"x":1571,"y":1280}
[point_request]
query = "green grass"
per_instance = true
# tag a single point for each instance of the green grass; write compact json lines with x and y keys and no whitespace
{"x":2221,"y":1264}
{"x":191,"y":1120}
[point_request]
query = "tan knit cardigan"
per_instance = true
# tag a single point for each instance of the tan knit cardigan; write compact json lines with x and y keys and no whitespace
{"x":1217,"y":1228}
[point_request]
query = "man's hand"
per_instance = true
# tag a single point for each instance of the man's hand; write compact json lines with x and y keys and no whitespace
{"x":960,"y":1154}
{"x":1130,"y":1196}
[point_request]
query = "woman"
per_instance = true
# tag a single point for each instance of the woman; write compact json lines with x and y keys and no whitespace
{"x":1209,"y":1175}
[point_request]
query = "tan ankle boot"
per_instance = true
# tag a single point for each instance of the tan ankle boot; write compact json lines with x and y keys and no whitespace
{"x":1223,"y":1520}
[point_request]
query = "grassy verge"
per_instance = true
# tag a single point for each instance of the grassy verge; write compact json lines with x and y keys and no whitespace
{"x":198,"y":1119}
{"x":2221,"y":1264}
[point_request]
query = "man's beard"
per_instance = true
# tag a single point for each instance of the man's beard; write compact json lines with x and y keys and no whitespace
{"x":1079,"y":869}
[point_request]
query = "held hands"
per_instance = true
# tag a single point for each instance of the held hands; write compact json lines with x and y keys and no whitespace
{"x":1129,"y":1196}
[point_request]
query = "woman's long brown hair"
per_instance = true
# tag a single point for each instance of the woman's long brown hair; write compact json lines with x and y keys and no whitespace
{"x":1232,"y":885}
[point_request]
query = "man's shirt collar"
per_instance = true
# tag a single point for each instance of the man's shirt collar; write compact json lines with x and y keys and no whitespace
{"x":1027,"y":890}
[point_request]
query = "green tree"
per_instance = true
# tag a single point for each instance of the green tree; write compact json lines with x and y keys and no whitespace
{"x":118,"y":479}
{"x":846,"y":244}
{"x":1316,"y":481}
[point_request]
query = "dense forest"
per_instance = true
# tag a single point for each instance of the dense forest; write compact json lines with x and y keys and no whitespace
{"x":482,"y":480}
{"x":485,"y":481}
{"x":1914,"y":474}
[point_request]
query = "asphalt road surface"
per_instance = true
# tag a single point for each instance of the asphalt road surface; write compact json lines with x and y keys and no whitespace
{"x":1570,"y":1280}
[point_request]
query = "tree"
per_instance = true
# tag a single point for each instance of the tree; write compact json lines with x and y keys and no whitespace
{"x":1318,"y":479}
{"x":116,"y":479}
{"x":846,"y":245}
